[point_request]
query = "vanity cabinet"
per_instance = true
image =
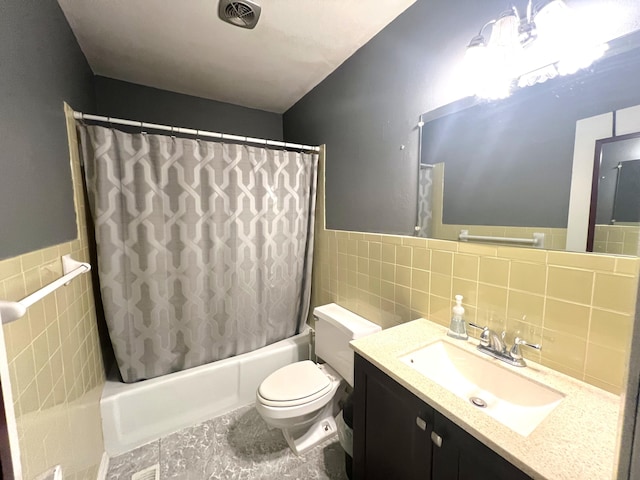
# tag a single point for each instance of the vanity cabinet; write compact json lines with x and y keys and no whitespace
{"x":398,"y":436}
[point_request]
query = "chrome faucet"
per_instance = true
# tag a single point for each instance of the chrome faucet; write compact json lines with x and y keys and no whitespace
{"x":496,"y":342}
{"x":493,"y":345}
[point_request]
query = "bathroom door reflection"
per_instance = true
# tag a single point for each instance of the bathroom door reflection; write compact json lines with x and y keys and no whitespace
{"x":614,"y":224}
{"x":625,"y":205}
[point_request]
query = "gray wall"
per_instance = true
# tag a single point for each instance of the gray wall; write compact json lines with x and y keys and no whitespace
{"x":115,"y":98}
{"x":368,"y":109}
{"x":42,"y":66}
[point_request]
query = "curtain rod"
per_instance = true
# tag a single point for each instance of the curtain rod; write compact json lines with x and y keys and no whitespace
{"x":197,"y":133}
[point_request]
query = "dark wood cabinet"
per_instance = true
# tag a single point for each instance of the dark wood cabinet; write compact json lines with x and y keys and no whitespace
{"x":393,"y":427}
{"x":398,"y":436}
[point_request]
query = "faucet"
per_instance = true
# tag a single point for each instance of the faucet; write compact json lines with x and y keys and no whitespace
{"x":490,"y":339}
{"x":492,"y":344}
{"x":496,"y":342}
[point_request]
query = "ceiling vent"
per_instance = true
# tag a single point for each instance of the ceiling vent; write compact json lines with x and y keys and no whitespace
{"x":244,"y":13}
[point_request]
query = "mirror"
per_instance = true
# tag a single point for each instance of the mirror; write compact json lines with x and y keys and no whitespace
{"x":505,"y":168}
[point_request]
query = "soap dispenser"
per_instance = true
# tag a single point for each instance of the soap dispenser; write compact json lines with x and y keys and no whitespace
{"x":458,"y":327}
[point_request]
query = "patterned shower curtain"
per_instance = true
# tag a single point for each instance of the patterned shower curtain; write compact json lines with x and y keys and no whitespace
{"x":425,"y":202}
{"x":204,"y":248}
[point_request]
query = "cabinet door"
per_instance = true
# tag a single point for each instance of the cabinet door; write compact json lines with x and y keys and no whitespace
{"x":392,"y":429}
{"x":446,"y":449}
{"x":462,"y":457}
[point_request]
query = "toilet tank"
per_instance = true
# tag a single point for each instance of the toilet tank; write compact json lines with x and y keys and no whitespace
{"x":335,"y":328}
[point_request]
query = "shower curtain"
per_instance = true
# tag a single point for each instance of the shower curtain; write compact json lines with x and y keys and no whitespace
{"x":204,"y":248}
{"x":425,"y":201}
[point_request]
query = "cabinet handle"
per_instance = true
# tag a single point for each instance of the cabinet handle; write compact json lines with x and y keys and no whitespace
{"x":436,"y":439}
{"x":422,"y":424}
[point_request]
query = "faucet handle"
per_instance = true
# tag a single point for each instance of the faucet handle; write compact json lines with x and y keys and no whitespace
{"x":484,"y":336}
{"x":520,"y":341}
{"x":515,"y":350}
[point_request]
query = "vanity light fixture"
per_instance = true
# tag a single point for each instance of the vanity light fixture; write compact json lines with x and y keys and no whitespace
{"x":497,"y":57}
{"x":520,"y":50}
{"x":476,"y":50}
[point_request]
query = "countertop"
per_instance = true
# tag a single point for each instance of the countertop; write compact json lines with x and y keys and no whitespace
{"x":577,"y":441}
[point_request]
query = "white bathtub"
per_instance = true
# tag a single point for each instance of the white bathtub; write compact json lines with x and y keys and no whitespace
{"x":138,"y":413}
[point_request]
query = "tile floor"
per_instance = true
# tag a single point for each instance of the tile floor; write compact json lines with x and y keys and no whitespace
{"x":238,"y":445}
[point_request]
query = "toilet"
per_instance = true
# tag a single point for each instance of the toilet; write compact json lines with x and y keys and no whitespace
{"x":302,"y":398}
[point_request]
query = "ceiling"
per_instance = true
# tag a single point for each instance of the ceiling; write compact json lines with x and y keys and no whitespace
{"x":183,"y":46}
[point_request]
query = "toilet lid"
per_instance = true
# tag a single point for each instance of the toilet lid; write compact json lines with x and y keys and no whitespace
{"x":294,"y":382}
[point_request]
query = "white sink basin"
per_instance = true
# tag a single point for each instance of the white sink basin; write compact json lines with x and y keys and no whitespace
{"x":515,"y":401}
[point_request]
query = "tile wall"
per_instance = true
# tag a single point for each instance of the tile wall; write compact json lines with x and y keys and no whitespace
{"x":54,"y":356}
{"x":622,"y":239}
{"x":580,"y":307}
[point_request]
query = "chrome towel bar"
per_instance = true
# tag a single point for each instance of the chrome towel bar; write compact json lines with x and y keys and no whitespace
{"x":537,"y":240}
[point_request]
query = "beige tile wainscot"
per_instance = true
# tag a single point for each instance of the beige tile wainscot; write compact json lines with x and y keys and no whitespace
{"x":576,"y":441}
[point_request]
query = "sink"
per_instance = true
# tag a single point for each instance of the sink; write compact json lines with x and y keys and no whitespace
{"x":515,"y":401}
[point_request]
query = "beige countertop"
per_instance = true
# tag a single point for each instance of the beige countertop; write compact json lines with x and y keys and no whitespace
{"x":577,"y":441}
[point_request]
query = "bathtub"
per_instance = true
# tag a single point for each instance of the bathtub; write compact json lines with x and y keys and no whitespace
{"x":139,"y":413}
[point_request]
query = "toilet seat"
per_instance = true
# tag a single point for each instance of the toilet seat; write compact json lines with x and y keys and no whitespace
{"x":294,"y":385}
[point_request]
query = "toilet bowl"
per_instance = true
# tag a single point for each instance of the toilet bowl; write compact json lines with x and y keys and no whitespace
{"x":302,"y":398}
